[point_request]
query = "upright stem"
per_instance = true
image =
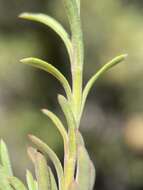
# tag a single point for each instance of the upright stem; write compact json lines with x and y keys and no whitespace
{"x":73,"y":12}
{"x":77,"y":65}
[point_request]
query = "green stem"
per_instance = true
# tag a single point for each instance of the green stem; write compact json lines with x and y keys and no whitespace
{"x":70,"y":159}
{"x":77,"y":92}
{"x":73,"y":12}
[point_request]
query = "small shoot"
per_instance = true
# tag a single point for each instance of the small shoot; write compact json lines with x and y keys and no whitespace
{"x":78,"y":172}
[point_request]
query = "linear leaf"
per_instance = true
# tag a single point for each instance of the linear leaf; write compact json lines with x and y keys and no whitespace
{"x":93,"y":176}
{"x":85,"y":170}
{"x":16,"y":183}
{"x":71,"y":123}
{"x":78,"y":4}
{"x":73,"y":13}
{"x":32,"y":184}
{"x":44,"y":147}
{"x":4,"y":183}
{"x":4,"y":157}
{"x":38,"y":63}
{"x":59,"y":126}
{"x":66,"y":108}
{"x":42,"y":172}
{"x":93,"y":79}
{"x":81,"y":166}
{"x":70,"y":158}
{"x":53,"y":181}
{"x":80,"y":140}
{"x":32,"y":152}
{"x":53,"y":24}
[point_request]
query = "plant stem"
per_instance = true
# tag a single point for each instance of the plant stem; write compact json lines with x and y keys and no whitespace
{"x":73,"y":12}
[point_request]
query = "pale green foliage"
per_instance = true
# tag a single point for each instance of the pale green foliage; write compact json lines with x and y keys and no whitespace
{"x":53,"y":24}
{"x":50,"y":69}
{"x":78,"y":172}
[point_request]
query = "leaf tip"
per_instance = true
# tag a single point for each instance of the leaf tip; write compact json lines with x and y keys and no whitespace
{"x":45,"y":111}
{"x":31,"y":153}
{"x":30,"y":136}
{"x":26,"y":60}
{"x":2,"y":142}
{"x":61,"y":98}
{"x":124,"y":56}
{"x":23,"y":15}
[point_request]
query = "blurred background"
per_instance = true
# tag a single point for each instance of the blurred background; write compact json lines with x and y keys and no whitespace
{"x":112,"y":123}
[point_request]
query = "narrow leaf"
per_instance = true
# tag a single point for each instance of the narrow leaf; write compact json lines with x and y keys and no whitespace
{"x":41,"y":169}
{"x":42,"y":172}
{"x":38,"y":63}
{"x":44,"y":147}
{"x":16,"y":183}
{"x":53,"y":181}
{"x":53,"y":24}
{"x":4,"y":157}
{"x":59,"y":126}
{"x":4,"y":183}
{"x":80,"y":140}
{"x":71,"y":124}
{"x":70,"y":158}
{"x":32,"y":153}
{"x":32,"y":184}
{"x":73,"y":12}
{"x":66,"y":108}
{"x":85,"y":170}
{"x":93,"y":79}
{"x":78,"y":4}
{"x":93,"y":176}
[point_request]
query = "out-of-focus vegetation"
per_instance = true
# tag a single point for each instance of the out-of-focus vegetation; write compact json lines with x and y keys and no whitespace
{"x":112,"y":121}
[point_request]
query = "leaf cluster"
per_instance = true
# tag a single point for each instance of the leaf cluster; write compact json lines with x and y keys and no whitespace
{"x":77,"y":172}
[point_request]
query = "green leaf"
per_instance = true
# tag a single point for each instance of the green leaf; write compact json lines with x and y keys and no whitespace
{"x":80,"y":140}
{"x":44,"y":147}
{"x":32,"y":152}
{"x":70,"y":158}
{"x":85,"y":170}
{"x":71,"y":124}
{"x":4,"y":183}
{"x":52,"y":179}
{"x":53,"y":24}
{"x":66,"y":108}
{"x":78,"y":4}
{"x":59,"y":126}
{"x":32,"y":184}
{"x":72,"y":8}
{"x":84,"y":164}
{"x":42,"y":172}
{"x":41,"y":169}
{"x":93,"y":176}
{"x":16,"y":183}
{"x":93,"y":79}
{"x":38,"y":63}
{"x":4,"y":157}
{"x":73,"y":13}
